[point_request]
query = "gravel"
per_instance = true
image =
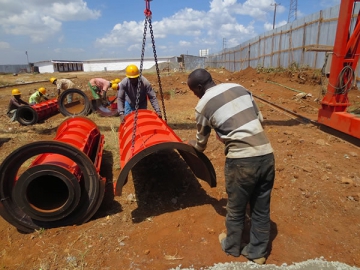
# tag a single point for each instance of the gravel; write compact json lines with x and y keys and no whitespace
{"x":314,"y":264}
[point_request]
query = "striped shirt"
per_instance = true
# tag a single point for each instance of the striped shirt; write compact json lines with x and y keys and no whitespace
{"x":231,"y":111}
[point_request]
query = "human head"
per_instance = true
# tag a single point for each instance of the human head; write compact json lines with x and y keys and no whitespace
{"x":15,"y":92}
{"x":42,"y":90}
{"x":115,"y":86}
{"x":53,"y":80}
{"x":117,"y":80}
{"x":132,"y":71}
{"x":199,"y":81}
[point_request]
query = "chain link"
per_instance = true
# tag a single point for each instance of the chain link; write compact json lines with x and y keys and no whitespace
{"x":138,"y":88}
{"x":147,"y":20}
{"x":157,"y":69}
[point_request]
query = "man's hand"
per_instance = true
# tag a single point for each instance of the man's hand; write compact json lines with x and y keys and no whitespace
{"x":122,"y":118}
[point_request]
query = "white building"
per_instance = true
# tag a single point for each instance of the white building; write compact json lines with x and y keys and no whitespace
{"x":51,"y":66}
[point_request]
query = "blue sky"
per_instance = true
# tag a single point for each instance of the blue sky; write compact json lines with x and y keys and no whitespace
{"x":93,"y":29}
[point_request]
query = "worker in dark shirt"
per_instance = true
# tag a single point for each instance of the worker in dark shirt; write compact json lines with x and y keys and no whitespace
{"x":14,"y":104}
{"x":127,"y":97}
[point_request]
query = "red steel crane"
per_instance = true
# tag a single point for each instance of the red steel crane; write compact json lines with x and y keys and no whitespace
{"x":333,"y":111}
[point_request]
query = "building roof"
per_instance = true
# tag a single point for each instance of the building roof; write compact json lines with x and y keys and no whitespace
{"x":161,"y":58}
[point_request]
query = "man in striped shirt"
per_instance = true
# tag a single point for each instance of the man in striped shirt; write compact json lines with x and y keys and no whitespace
{"x":231,"y":111}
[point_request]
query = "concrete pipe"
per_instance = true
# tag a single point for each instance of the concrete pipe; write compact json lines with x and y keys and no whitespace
{"x":30,"y":115}
{"x":152,"y":135}
{"x":62,"y":186}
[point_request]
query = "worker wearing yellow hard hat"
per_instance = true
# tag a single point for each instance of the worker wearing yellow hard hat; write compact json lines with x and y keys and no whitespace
{"x":63,"y":84}
{"x":38,"y":96}
{"x":14,"y":104}
{"x":127,"y":95}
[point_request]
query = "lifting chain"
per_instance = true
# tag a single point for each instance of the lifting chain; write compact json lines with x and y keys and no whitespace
{"x":157,"y":69}
{"x":147,"y":20}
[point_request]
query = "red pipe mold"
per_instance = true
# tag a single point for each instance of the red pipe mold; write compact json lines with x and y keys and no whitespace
{"x":62,"y":186}
{"x":30,"y":115}
{"x":152,"y":134}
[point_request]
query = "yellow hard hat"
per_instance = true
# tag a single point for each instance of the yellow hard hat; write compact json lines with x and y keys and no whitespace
{"x":42,"y":90}
{"x":132,"y":71}
{"x":117,"y":80}
{"x":15,"y":92}
{"x":114,"y":86}
{"x":52,"y":79}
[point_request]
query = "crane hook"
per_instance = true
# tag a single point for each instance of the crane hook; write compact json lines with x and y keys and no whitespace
{"x":147,"y":10}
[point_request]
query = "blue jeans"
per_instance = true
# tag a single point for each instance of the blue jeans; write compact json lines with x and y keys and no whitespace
{"x":128,"y":108}
{"x":12,"y":115}
{"x":248,"y":180}
{"x":69,"y":98}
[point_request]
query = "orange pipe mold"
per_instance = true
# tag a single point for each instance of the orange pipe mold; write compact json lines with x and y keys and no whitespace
{"x":152,"y":134}
{"x":62,"y":186}
{"x":30,"y":115}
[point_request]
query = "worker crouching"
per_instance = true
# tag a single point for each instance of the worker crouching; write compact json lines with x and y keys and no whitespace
{"x":38,"y":96}
{"x":14,"y":104}
{"x":99,"y":87}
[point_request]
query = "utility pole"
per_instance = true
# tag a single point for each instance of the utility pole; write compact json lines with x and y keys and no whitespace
{"x":292,"y":11}
{"x":275,"y":5}
{"x":224,"y":43}
{"x":27,"y":57}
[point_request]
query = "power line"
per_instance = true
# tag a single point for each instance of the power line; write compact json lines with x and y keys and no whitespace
{"x":292,"y":11}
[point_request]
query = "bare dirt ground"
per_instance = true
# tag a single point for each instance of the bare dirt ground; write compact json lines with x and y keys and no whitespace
{"x":168,"y":218}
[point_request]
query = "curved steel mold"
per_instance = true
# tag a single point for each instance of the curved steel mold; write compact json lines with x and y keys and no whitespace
{"x":74,"y":102}
{"x":30,"y":115}
{"x":62,"y":186}
{"x":152,"y":135}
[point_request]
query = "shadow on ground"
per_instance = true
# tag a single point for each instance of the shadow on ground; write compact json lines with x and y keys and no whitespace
{"x":164,"y":183}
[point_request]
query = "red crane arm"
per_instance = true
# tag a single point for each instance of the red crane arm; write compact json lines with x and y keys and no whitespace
{"x":345,"y":55}
{"x":333,"y":111}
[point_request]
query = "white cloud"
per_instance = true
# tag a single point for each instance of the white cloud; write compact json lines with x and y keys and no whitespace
{"x":30,"y":23}
{"x":200,"y":27}
{"x":69,"y":50}
{"x":184,"y":30}
{"x":257,"y":9}
{"x":121,"y":34}
{"x":4,"y":45}
{"x":299,"y":14}
{"x":41,"y":19}
{"x":269,"y":26}
{"x":73,"y":11}
{"x":329,"y":3}
{"x":184,"y":43}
